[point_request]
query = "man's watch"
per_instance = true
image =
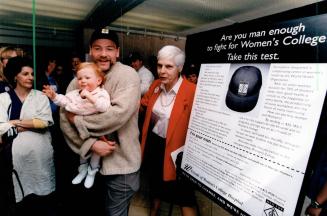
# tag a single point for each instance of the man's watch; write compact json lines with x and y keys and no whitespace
{"x":315,"y":204}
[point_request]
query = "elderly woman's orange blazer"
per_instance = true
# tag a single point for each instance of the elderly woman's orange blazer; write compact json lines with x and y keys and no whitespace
{"x":178,"y":122}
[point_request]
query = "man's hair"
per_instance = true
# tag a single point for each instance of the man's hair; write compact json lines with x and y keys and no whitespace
{"x":104,"y":34}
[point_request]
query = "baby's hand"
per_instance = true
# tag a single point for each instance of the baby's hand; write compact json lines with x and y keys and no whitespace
{"x":85,"y":94}
{"x":48,"y":91}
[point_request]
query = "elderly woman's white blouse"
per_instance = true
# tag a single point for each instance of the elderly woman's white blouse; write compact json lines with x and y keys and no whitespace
{"x":32,"y":151}
{"x":163,"y":107}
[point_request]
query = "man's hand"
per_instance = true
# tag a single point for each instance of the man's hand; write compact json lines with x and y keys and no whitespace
{"x":103,"y":148}
{"x":70,"y":116}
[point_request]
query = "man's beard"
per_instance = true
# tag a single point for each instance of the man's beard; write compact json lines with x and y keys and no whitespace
{"x":107,"y":60}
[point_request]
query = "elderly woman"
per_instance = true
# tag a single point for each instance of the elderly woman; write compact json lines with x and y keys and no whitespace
{"x":29,"y":111}
{"x":168,"y":106}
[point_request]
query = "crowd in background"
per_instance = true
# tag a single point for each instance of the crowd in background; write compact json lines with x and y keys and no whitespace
{"x":146,"y":102}
{"x":58,"y":196}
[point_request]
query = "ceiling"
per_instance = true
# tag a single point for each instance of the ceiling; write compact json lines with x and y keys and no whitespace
{"x":183,"y":17}
{"x":169,"y":17}
{"x":58,"y":14}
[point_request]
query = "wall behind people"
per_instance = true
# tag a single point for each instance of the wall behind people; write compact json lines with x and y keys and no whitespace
{"x":46,"y":37}
{"x":146,"y":45}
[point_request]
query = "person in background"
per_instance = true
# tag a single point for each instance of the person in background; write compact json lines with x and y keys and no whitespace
{"x":120,"y":162}
{"x":32,"y":152}
{"x":47,"y":77}
{"x":192,"y":74}
{"x":4,"y":86}
{"x":75,"y":61}
{"x":146,"y":78}
{"x":317,"y":189}
{"x":317,"y":193}
{"x":145,"y":75}
{"x":7,"y":198}
{"x":54,"y":74}
{"x":168,"y":106}
{"x":20,"y":52}
{"x":6,"y":54}
{"x":318,"y":186}
{"x":152,"y":62}
{"x":318,"y":206}
{"x":62,"y":77}
{"x":63,"y":155}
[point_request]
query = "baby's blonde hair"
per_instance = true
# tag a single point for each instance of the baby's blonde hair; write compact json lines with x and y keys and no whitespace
{"x":95,"y":68}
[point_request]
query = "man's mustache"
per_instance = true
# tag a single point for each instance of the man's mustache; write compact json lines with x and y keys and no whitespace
{"x":105,"y":59}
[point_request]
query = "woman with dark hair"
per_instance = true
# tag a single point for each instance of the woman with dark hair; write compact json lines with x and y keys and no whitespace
{"x":29,"y":112}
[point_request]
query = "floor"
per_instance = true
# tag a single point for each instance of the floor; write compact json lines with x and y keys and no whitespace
{"x":140,"y":205}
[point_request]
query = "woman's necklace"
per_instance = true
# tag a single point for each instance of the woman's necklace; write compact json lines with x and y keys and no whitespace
{"x":168,"y":103}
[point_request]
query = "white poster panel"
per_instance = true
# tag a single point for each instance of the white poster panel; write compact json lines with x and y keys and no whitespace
{"x":255,"y":158}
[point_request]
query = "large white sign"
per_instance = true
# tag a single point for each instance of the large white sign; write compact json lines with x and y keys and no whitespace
{"x":254,"y":159}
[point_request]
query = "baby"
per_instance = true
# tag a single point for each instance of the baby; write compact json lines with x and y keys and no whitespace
{"x":88,"y":99}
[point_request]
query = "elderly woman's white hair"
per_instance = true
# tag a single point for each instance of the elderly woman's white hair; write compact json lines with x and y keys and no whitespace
{"x":174,"y":53}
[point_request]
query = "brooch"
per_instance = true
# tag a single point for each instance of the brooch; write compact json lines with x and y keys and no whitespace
{"x":156,"y":90}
